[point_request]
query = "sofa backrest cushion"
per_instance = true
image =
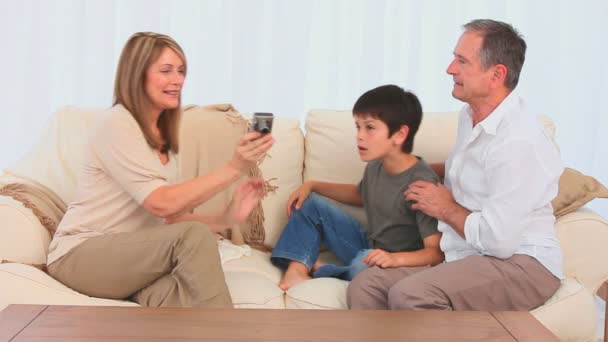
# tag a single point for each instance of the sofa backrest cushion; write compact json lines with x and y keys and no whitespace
{"x":211,"y":137}
{"x":331,"y":149}
{"x":207,"y":140}
{"x":55,"y":159}
{"x":283,"y":167}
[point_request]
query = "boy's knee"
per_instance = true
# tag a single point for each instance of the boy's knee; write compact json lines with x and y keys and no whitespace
{"x":310,"y":203}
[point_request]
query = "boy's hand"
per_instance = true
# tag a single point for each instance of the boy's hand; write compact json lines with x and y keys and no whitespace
{"x":298,"y":197}
{"x":381,"y":258}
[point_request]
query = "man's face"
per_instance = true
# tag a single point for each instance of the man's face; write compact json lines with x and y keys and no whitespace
{"x":471,"y":82}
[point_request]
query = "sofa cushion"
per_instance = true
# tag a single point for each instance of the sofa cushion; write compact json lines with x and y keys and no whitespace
{"x":55,"y":159}
{"x":253,"y":281}
{"x":570,"y":313}
{"x":318,"y":293}
{"x":21,"y":284}
{"x":331,"y":149}
{"x":258,"y":262}
{"x":583,"y":235}
{"x":575,"y":190}
{"x":22,"y":238}
{"x":208,"y":137}
{"x":254,"y":291}
{"x":283,"y":166}
{"x":202,"y":150}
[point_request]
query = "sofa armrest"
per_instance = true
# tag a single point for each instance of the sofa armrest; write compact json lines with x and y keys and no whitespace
{"x":583,"y":235}
{"x":22,"y":237}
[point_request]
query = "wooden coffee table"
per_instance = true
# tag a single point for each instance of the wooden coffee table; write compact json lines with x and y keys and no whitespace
{"x":82,"y":323}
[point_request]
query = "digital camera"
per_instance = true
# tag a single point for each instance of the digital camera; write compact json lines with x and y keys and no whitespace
{"x":262,"y":122}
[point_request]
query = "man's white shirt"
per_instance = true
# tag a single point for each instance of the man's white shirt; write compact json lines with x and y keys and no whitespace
{"x":505,"y":170}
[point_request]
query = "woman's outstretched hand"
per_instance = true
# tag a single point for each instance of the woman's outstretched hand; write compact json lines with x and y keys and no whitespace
{"x":251,"y":148}
{"x":244,"y":199}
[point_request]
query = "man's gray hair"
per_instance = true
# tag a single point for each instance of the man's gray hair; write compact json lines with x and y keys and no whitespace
{"x":502,"y":44}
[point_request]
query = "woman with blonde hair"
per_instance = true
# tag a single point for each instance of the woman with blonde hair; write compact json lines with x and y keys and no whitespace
{"x":128,"y":233}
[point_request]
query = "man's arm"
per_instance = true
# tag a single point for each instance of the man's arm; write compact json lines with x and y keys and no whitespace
{"x":495,"y":228}
{"x":429,"y":255}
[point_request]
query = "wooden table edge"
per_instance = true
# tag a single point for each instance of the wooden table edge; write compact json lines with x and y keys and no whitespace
{"x":522,"y":328}
{"x":16,"y":317}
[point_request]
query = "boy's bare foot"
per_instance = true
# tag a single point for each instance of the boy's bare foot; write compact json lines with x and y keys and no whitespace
{"x":295,"y":274}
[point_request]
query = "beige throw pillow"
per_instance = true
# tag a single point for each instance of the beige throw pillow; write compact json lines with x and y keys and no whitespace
{"x":575,"y":190}
{"x":208,"y":136}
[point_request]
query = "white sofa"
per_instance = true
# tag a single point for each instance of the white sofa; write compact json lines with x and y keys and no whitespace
{"x":326,"y":152}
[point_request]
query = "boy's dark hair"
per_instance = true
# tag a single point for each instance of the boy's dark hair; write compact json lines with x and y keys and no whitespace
{"x":393,"y":106}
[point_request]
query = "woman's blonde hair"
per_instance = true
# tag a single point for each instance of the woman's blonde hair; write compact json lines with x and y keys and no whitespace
{"x":141,"y":50}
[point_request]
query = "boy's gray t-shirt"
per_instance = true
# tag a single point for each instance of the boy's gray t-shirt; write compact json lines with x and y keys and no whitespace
{"x":392,"y":224}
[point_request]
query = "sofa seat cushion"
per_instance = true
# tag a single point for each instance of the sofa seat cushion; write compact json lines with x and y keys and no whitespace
{"x":254,"y":291}
{"x":570,"y":313}
{"x":22,"y":284}
{"x":318,"y":293}
{"x":254,"y":282}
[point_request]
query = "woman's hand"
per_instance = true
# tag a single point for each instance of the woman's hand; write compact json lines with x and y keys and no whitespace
{"x":297,"y":198}
{"x":244,"y":199}
{"x":251,"y":148}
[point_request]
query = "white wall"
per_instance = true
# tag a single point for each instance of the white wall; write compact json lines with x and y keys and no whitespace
{"x":290,"y":56}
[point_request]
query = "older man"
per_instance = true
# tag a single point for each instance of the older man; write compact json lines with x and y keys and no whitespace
{"x":495,"y":211}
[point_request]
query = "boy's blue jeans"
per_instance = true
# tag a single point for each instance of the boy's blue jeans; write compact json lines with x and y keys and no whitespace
{"x":319,"y":222}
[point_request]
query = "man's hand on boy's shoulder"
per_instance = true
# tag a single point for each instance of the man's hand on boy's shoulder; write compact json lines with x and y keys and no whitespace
{"x":430,"y":198}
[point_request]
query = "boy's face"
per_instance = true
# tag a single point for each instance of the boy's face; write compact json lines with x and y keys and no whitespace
{"x":373,"y":141}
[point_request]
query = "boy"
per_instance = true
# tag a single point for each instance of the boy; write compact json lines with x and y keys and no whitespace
{"x":387,"y":119}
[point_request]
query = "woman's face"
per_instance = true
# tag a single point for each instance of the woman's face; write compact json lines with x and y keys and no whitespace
{"x":164,"y":81}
